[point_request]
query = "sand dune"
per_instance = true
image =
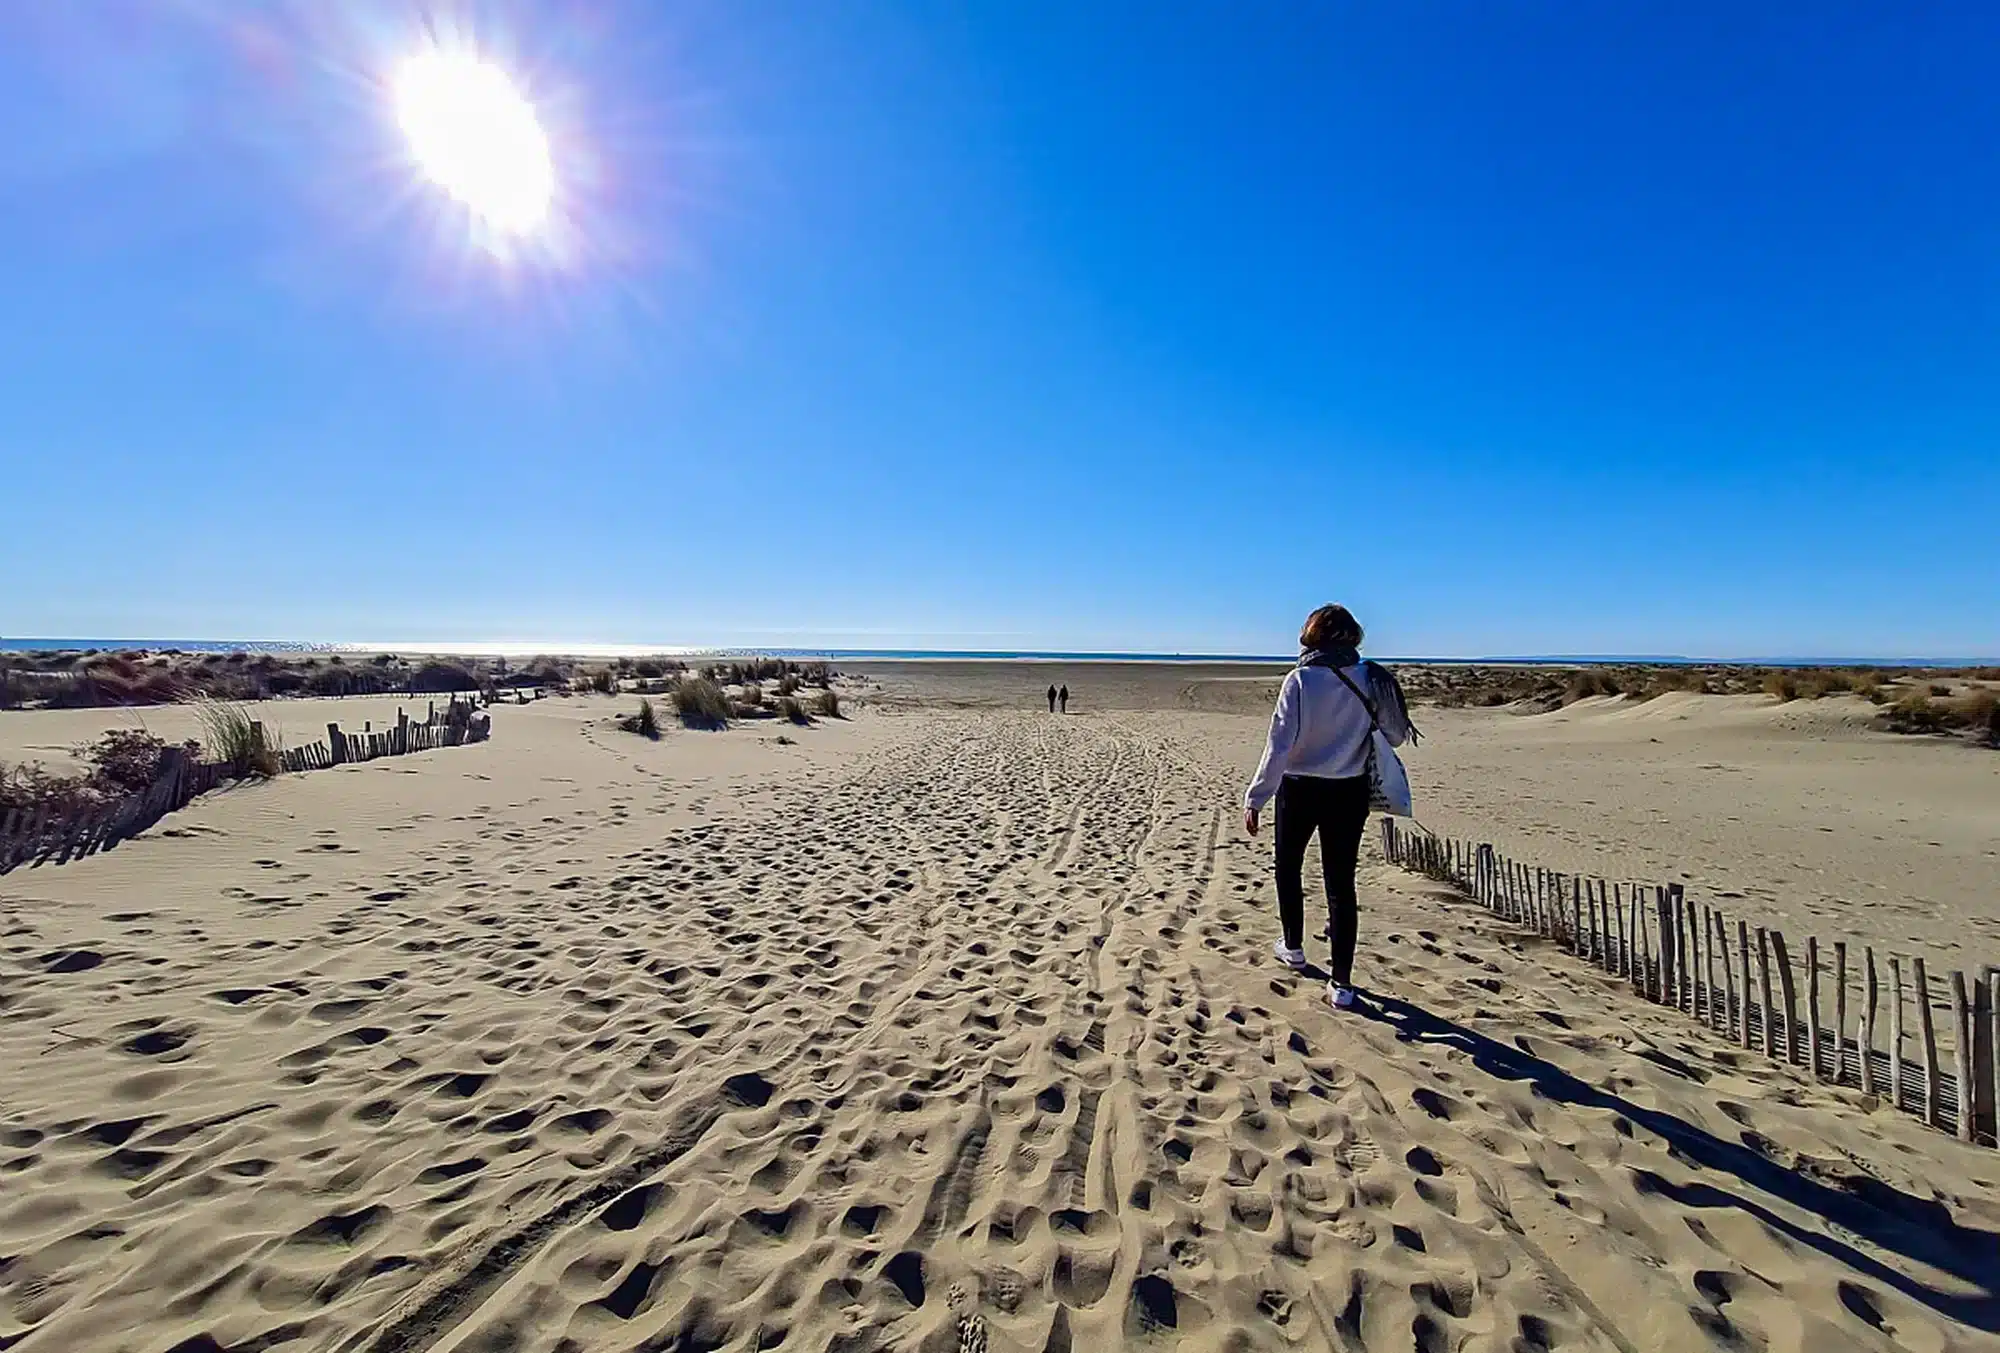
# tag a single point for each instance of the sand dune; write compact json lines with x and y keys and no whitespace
{"x":942,"y":1030}
{"x":1798,"y":816}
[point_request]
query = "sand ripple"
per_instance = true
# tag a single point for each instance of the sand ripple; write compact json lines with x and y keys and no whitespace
{"x":967,"y":1041}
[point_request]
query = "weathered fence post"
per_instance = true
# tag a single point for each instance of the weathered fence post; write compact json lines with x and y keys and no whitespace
{"x":1929,"y":1035}
{"x":1608,"y":960}
{"x":1961,"y":1054}
{"x":1670,"y":990}
{"x":1735,"y":1022}
{"x":1870,"y":996}
{"x":1840,"y":1012}
{"x":1708,"y":967}
{"x":1685,"y":994}
{"x":1896,"y":1031}
{"x":1624,"y":950}
{"x":1989,"y":1079}
{"x":1642,"y":945}
{"x":1790,"y":995}
{"x":1598,"y":949}
{"x":1812,"y":1006}
{"x":1764,"y":985}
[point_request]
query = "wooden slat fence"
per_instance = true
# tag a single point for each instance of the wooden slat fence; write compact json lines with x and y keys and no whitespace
{"x":35,"y":837}
{"x":1693,"y":957}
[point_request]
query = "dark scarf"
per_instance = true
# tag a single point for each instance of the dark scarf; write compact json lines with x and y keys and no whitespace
{"x":1381,"y":681}
{"x":1333,"y":655}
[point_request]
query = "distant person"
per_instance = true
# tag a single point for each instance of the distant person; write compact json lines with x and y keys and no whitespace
{"x":1052,"y":698}
{"x":1063,"y":697}
{"x":1316,"y":766}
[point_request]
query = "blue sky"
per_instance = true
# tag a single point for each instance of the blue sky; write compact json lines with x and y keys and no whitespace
{"x":1519,"y":328}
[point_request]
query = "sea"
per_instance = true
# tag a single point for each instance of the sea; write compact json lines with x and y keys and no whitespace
{"x":595,"y":650}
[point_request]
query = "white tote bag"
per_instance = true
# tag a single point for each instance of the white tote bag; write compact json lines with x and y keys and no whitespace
{"x":1388,"y":782}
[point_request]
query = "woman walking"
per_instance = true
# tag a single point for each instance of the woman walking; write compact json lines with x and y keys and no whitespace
{"x":1316,"y":766}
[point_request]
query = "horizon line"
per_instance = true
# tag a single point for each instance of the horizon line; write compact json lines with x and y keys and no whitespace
{"x":601,"y":650}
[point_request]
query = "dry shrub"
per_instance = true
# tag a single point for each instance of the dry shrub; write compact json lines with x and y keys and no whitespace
{"x":547,"y":672}
{"x":122,"y":682}
{"x":1917,"y":713}
{"x":1671,"y":681}
{"x":433,"y":678}
{"x":788,"y":684}
{"x":333,"y":681}
{"x":31,"y":789}
{"x":827,"y":704}
{"x":128,"y":760}
{"x":1817,"y":685}
{"x":1783,"y":685}
{"x":1979,"y":710}
{"x":742,"y":673}
{"x":1590,"y":683}
{"x":645,"y":723}
{"x":790,"y":709}
{"x":1940,"y":689}
{"x":701,"y":703}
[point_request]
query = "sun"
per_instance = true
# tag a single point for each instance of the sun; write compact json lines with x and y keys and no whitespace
{"x":475,"y":137}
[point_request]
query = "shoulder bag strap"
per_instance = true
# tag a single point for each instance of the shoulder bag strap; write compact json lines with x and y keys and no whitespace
{"x":1366,"y":703}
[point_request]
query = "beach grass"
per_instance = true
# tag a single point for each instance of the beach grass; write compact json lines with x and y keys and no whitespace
{"x":701,"y":703}
{"x":236,"y":740}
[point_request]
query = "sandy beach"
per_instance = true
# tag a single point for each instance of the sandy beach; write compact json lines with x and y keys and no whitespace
{"x":953,"y":1026}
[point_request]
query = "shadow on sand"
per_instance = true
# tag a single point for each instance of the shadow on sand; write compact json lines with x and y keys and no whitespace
{"x":1918,"y":1229}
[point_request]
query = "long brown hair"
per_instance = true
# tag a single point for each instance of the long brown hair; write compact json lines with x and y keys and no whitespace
{"x":1329,"y":627}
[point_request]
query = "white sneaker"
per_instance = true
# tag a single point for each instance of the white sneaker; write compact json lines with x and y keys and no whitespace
{"x":1294,"y":959}
{"x":1342,"y":997}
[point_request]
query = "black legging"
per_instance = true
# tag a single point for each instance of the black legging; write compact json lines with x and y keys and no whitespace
{"x":1337,"y":810}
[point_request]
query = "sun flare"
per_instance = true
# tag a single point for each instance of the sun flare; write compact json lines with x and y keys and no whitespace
{"x":477,"y":138}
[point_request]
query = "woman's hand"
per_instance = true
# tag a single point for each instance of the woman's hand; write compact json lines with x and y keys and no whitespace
{"x":1250,"y":820}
